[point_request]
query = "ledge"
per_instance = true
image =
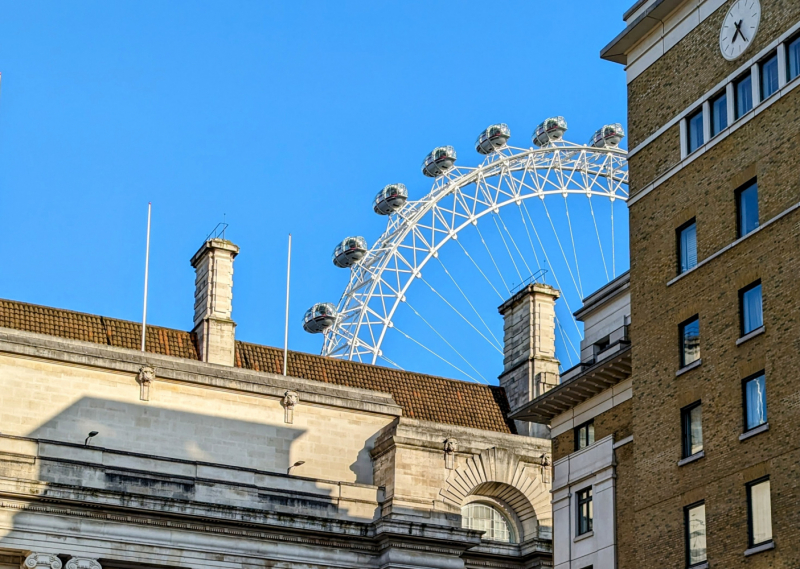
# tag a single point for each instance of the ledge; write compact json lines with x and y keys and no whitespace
{"x":757,"y":332}
{"x":759,"y":548}
{"x":583,"y":536}
{"x":703,"y":565}
{"x":689,"y":367}
{"x":694,"y":457}
{"x":754,"y":431}
{"x":623,"y":442}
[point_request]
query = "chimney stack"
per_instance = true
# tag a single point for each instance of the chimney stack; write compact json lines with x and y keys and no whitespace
{"x":530,"y":367}
{"x":213,"y":296}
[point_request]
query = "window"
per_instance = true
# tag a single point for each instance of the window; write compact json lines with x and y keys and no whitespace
{"x":747,"y":204}
{"x":695,"y":524}
{"x":694,"y":128}
{"x":719,"y":114}
{"x":687,"y":246}
{"x":769,"y":76}
{"x":584,"y":435}
{"x":483,"y":517}
{"x":755,"y":401}
{"x":759,"y":512}
{"x":692,"y":420}
{"x":690,"y":341}
{"x":585,"y":513}
{"x":743,"y":92}
{"x":750,"y":302}
{"x":793,"y":58}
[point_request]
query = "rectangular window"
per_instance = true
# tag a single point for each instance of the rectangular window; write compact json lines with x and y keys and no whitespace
{"x":692,"y":419}
{"x":585,"y":513}
{"x":584,"y":435}
{"x":750,"y":303}
{"x":755,"y":401}
{"x":694,"y":129}
{"x":695,"y":523}
{"x":690,"y":341}
{"x":759,"y":512}
{"x":719,"y":114}
{"x":769,"y":76}
{"x":747,"y":204}
{"x":743,"y":91}
{"x":687,"y":246}
{"x":793,"y":58}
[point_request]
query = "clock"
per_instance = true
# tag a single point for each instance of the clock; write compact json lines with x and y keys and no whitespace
{"x":739,"y":28}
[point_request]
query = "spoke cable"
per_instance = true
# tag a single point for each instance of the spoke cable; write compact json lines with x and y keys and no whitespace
{"x":424,"y":347}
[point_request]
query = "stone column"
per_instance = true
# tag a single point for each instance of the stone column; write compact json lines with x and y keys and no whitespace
{"x":213,"y":298}
{"x":530,"y":367}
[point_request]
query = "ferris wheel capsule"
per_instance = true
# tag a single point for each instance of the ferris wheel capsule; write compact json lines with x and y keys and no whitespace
{"x":390,"y":199}
{"x":551,"y":130}
{"x":319,"y":318}
{"x":607,"y":137}
{"x":493,"y":138}
{"x":350,"y":251}
{"x":439,"y":161}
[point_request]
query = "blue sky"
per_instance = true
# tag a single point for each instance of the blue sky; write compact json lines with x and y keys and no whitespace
{"x":281,"y":117}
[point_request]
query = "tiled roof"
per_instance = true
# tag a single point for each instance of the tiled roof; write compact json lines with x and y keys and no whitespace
{"x":424,"y":397}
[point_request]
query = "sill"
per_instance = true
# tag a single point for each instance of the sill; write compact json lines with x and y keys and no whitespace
{"x":757,"y":332}
{"x":703,"y":565}
{"x":586,"y":535}
{"x":754,"y":431}
{"x":759,"y":548}
{"x":688,"y":459}
{"x":690,"y":367}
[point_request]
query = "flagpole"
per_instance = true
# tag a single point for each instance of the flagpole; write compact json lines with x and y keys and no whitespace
{"x":146,"y":270}
{"x":286,"y":330}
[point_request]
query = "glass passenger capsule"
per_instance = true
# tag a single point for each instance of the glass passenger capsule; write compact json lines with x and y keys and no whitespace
{"x":439,"y":161}
{"x":493,"y":138}
{"x":390,"y":199}
{"x":319,"y":318}
{"x":350,"y":251}
{"x":609,"y":136}
{"x":551,"y":130}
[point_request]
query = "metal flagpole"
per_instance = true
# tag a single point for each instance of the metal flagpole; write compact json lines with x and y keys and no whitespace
{"x":286,"y":330}
{"x":146,"y":269}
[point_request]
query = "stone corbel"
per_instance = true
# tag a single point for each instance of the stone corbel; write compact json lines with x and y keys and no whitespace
{"x":144,"y":378}
{"x":545,"y":466}
{"x":44,"y":560}
{"x":450,"y":450}
{"x":290,"y":399}
{"x":83,"y":563}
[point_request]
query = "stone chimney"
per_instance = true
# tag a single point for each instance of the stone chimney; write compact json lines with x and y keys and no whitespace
{"x":213,"y":295}
{"x":530,"y":366}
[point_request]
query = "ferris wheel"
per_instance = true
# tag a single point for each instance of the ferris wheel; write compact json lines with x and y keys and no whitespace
{"x":542,"y":213}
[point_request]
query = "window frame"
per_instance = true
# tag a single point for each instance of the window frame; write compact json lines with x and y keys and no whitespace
{"x":698,"y":112}
{"x":510,"y":527}
{"x":576,"y":434}
{"x":686,"y":429}
{"x":749,"y":486}
{"x":767,"y":59}
{"x":682,"y":338}
{"x":789,"y":42}
{"x":584,"y":497}
{"x":745,"y":406}
{"x":742,"y":292}
{"x":748,"y":75}
{"x":711,"y":102}
{"x":686,"y":533}
{"x":738,"y":196}
{"x":678,"y":232}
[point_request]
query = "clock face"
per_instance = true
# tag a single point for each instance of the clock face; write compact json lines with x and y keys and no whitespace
{"x":739,"y":28}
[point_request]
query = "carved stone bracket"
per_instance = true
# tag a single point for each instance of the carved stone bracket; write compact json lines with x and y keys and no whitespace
{"x":290,"y":399}
{"x":46,"y":560}
{"x":83,"y":563}
{"x":545,"y":464}
{"x":450,"y":450}
{"x":144,"y":378}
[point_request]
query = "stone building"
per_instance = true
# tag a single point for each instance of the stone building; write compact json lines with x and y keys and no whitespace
{"x":199,"y":453}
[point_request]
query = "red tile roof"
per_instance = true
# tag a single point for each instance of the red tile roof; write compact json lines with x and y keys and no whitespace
{"x":424,"y":397}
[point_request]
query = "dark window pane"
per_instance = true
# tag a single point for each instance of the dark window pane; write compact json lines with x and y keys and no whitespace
{"x":719,"y":114}
{"x":692,"y":430}
{"x":584,"y":435}
{"x":696,"y":534}
{"x":755,"y":400}
{"x":744,"y":95}
{"x":752,"y":316}
{"x":695,"y":131}
{"x":687,"y":241}
{"x":793,"y":58}
{"x":585,"y":511}
{"x":748,"y":209}
{"x":690,"y":342}
{"x":769,"y":77}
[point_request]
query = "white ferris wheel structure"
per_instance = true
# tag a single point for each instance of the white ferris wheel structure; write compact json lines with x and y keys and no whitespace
{"x":510,"y":183}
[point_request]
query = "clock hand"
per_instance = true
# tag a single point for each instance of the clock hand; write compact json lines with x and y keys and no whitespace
{"x":738,"y":31}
